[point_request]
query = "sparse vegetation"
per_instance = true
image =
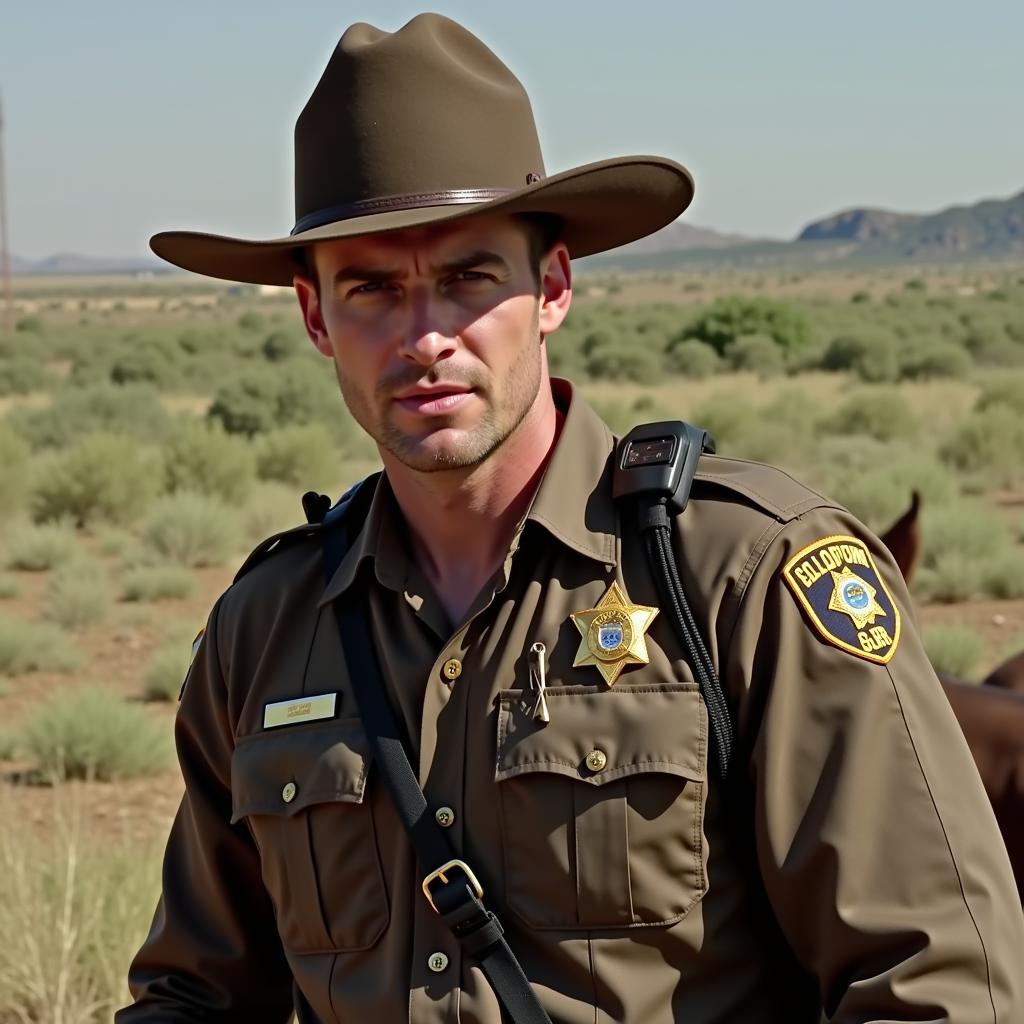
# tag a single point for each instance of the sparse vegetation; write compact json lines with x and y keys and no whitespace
{"x":192,"y":530}
{"x":953,"y":649}
{"x":36,"y":548}
{"x":164,"y":582}
{"x":166,"y":672}
{"x":34,"y":647}
{"x":78,"y":595}
{"x":94,"y":734}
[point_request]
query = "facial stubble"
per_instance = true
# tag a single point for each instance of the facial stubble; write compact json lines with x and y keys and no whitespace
{"x":504,"y":411}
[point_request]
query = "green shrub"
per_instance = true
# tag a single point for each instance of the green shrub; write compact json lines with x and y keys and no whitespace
{"x":953,"y":649}
{"x":157,"y":583}
{"x":281,"y":345}
{"x":726,"y":420}
{"x":166,"y":672}
{"x":78,"y":595}
{"x":755,"y":352}
{"x":113,"y":541}
{"x":965,"y":527}
{"x":1007,"y":391}
{"x":34,"y":647}
{"x":36,"y":548}
{"x":624,"y":359}
{"x":29,"y":325}
{"x":989,"y":444}
{"x":871,"y":356}
{"x":20,"y":376}
{"x":1002,"y":576}
{"x":252,"y":321}
{"x":951,"y":576}
{"x":100,"y":479}
{"x":200,"y":457}
{"x":693,"y":359}
{"x":15,"y":473}
{"x":938,"y":360}
{"x":734,"y":316}
{"x":10,"y":588}
{"x":306,"y":457}
{"x":126,"y":411}
{"x":878,"y":413}
{"x":146,"y":363}
{"x":192,"y":530}
{"x":94,"y":734}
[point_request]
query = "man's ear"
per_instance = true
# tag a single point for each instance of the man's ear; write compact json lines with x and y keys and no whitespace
{"x":308,"y":294}
{"x":555,"y":288}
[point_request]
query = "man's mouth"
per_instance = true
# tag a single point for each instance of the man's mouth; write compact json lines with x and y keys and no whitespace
{"x":433,"y":399}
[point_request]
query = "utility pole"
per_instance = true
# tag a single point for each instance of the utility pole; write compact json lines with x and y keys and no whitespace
{"x":5,"y":252}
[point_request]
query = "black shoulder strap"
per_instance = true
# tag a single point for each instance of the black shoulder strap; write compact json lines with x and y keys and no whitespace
{"x":654,"y":468}
{"x":449,"y":883}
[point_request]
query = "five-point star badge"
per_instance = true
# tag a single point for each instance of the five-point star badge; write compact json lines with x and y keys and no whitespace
{"x":612,"y":634}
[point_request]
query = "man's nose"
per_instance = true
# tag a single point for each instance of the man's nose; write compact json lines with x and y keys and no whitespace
{"x":425,"y":339}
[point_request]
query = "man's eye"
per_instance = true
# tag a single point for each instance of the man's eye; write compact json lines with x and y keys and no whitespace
{"x":469,"y":275}
{"x":369,"y":288}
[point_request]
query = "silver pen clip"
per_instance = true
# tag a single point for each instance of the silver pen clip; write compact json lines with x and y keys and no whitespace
{"x":538,"y":682}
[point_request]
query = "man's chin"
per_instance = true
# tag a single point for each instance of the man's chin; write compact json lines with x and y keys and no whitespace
{"x":441,"y":451}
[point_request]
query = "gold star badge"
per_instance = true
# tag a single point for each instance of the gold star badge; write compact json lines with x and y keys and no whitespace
{"x":613,"y":634}
{"x":854,"y":597}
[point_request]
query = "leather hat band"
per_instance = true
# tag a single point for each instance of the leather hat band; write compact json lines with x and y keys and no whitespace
{"x":412,"y":201}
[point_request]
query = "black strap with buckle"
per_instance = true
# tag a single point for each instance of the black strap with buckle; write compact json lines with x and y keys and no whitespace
{"x":449,"y":884}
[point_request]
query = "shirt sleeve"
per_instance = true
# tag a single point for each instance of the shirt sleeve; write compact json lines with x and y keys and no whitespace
{"x":213,"y":953}
{"x":877,"y":845}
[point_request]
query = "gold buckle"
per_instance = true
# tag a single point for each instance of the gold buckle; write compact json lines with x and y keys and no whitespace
{"x":440,"y":874}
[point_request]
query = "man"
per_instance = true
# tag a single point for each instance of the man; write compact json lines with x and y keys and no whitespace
{"x":553,"y":719}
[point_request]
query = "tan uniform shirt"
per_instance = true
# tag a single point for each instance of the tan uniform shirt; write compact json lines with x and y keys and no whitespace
{"x":858,"y":871}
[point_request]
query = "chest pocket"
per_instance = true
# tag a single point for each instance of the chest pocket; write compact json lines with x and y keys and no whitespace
{"x":603,"y":807}
{"x":301,"y":791}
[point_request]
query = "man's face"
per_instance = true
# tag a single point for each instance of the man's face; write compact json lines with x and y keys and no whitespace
{"x":436,"y":335}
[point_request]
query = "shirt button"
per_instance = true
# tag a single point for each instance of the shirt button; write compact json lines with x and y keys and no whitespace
{"x":288,"y":793}
{"x":452,"y":669}
{"x":445,"y":817}
{"x":437,"y":962}
{"x":596,"y":760}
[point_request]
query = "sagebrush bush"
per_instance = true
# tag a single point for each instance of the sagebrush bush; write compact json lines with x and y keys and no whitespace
{"x":33,"y":547}
{"x":953,"y":649}
{"x":1002,"y":576}
{"x":872,"y":356}
{"x":21,"y":376}
{"x":967,"y":527}
{"x":200,"y":457}
{"x":1006,"y":391}
{"x":15,"y":473}
{"x":95,"y":734}
{"x":133,"y":411}
{"x":879,"y":413}
{"x":949,"y":577}
{"x":100,"y":479}
{"x":938,"y":360}
{"x":9,"y":588}
{"x":693,"y":359}
{"x":166,"y":672}
{"x":157,"y":583}
{"x":758,"y":353}
{"x":988,"y":444}
{"x":78,"y":595}
{"x":192,"y":530}
{"x":306,"y":457}
{"x":34,"y":647}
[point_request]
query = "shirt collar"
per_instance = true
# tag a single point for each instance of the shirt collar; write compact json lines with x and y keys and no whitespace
{"x":573,"y":502}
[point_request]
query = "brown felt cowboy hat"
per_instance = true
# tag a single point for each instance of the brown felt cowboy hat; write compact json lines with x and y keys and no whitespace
{"x":425,"y":126}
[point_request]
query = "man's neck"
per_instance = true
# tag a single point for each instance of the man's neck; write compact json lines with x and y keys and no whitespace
{"x":461,"y":522}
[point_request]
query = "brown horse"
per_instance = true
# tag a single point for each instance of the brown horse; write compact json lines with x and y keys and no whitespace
{"x":991,"y":715}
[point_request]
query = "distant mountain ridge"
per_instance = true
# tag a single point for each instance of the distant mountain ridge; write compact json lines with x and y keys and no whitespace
{"x":989,"y":230}
{"x":992,"y":229}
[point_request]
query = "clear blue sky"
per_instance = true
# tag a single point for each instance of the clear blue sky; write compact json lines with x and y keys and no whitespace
{"x":128,"y":116}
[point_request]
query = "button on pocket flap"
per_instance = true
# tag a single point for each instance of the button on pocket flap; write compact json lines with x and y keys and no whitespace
{"x":597,"y":736}
{"x":281,"y":773}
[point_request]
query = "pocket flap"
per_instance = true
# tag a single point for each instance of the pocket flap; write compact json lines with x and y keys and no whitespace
{"x":658,"y":728}
{"x":281,"y":773}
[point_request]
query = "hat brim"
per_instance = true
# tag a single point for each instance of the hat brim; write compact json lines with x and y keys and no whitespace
{"x":601,"y":205}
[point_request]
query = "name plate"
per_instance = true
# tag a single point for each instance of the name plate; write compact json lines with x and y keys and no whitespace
{"x":301,"y":709}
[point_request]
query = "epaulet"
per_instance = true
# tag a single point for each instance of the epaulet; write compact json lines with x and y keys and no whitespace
{"x":771,"y":489}
{"x":278,"y":542}
{"x":327,"y":515}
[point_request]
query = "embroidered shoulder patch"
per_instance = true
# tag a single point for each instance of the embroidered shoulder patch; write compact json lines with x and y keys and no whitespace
{"x":838,"y":586}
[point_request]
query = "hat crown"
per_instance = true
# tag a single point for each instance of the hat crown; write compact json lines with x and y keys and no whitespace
{"x":426,"y":109}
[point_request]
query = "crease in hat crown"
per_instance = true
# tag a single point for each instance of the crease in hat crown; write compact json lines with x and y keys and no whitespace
{"x":424,"y":126}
